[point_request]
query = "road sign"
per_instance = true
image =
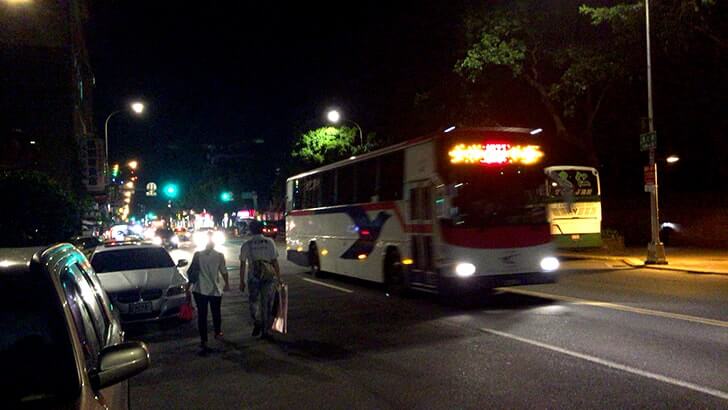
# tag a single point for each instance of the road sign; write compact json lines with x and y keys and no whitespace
{"x":648,"y":141}
{"x":649,"y":172}
{"x":151,"y":189}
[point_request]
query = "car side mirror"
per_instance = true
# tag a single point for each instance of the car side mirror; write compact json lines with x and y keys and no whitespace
{"x":182,"y":262}
{"x":120,"y":362}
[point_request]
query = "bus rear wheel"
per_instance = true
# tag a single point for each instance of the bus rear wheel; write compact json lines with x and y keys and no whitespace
{"x":395,"y":276}
{"x":314,"y":263}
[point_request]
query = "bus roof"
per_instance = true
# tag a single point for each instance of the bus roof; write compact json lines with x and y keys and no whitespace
{"x":407,"y":144}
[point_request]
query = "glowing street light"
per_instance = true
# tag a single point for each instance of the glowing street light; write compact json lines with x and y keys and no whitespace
{"x":137,"y":107}
{"x":672,"y":159}
{"x":334,"y":116}
{"x":133,"y":164}
{"x":130,"y":185}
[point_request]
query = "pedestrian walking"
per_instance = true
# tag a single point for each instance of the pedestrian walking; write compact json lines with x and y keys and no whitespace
{"x":260,"y":270}
{"x":208,"y":289}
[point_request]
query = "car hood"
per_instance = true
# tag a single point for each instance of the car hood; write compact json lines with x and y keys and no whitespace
{"x":161,"y":278}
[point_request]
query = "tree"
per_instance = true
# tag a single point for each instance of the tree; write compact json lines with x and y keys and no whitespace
{"x":329,"y":144}
{"x":38,"y":211}
{"x":554,"y":50}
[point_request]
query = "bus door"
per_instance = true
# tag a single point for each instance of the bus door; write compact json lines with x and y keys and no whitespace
{"x":422,"y":272}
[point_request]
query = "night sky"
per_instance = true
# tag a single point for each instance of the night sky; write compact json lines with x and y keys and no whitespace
{"x":215,"y":73}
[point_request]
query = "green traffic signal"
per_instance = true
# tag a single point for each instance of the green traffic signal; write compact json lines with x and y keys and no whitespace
{"x":226,"y":196}
{"x":171,"y":191}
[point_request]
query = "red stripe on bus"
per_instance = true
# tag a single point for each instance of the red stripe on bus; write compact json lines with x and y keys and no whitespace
{"x":498,"y":236}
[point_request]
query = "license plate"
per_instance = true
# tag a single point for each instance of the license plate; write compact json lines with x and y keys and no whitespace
{"x":144,"y":307}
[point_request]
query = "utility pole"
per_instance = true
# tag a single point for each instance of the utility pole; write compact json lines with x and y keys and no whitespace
{"x":655,"y":249}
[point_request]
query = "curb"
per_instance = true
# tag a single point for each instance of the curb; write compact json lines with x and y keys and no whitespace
{"x":638,"y":263}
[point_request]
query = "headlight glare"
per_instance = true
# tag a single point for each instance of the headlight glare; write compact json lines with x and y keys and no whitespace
{"x":549,"y":264}
{"x":157,"y":240}
{"x":464,"y":269}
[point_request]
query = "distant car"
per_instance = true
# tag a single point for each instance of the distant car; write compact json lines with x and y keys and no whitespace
{"x":61,"y":346}
{"x":142,"y":280}
{"x":166,"y":238}
{"x":86,"y":244}
{"x":270,"y":229}
{"x":202,"y":236}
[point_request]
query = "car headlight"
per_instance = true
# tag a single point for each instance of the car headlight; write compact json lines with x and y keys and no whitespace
{"x":176,"y":290}
{"x":465,"y":269}
{"x":157,"y":240}
{"x":200,"y":239}
{"x":218,"y":238}
{"x":549,"y":264}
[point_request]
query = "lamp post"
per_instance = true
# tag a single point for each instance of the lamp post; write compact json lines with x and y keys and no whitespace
{"x":334,"y":117}
{"x":655,"y":249}
{"x":136,"y":107}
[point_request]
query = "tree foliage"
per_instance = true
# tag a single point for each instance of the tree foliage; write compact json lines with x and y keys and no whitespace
{"x":554,"y":50}
{"x":329,"y":144}
{"x":36,"y":211}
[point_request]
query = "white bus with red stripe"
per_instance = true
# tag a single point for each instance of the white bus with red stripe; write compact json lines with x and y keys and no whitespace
{"x":455,"y":210}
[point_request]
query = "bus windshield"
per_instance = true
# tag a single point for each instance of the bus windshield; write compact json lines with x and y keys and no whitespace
{"x":484,"y":197}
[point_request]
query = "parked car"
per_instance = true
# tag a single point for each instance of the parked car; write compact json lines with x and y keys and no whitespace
{"x":86,"y":244}
{"x":61,"y":346}
{"x":142,"y":280}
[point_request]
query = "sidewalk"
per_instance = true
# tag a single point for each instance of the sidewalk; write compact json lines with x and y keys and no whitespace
{"x":692,"y":260}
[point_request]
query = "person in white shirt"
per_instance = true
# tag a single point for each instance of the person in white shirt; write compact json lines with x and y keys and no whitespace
{"x":259,"y":258}
{"x":209,"y":289}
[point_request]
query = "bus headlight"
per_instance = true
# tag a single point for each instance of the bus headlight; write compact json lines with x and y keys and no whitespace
{"x":464,"y":269}
{"x":549,"y":264}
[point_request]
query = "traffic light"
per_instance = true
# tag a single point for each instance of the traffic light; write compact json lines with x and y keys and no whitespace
{"x":171,"y":191}
{"x":115,"y":170}
{"x":226,"y":196}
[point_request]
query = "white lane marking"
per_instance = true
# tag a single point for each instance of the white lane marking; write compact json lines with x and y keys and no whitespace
{"x":608,"y":363}
{"x":328,"y":285}
{"x":624,"y":308}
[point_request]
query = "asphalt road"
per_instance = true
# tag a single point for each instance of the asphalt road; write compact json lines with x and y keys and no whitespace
{"x":605,"y":336}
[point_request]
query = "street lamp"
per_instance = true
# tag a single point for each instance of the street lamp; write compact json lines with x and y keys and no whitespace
{"x":672,"y":159}
{"x":334,"y":117}
{"x":133,"y":165}
{"x":137,"y":108}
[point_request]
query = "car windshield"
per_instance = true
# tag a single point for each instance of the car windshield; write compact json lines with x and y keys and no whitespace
{"x":131,"y":259}
{"x":35,"y":351}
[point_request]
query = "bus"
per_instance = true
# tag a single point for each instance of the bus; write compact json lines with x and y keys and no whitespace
{"x":458,"y":210}
{"x":574,"y":208}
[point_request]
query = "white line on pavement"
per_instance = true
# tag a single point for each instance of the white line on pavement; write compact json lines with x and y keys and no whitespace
{"x":328,"y":285}
{"x":608,"y":363}
{"x":614,"y":306}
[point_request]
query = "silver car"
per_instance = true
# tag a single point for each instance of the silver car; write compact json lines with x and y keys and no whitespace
{"x":143,"y":281}
{"x":61,"y":345}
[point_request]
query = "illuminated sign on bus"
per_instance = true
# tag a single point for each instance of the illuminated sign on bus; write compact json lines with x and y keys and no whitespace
{"x":495,"y":154}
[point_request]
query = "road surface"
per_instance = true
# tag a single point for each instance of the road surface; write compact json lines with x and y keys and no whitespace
{"x":605,"y":336}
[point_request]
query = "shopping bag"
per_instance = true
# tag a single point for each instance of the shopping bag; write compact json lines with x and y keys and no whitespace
{"x":187,"y":311}
{"x":280,"y":321}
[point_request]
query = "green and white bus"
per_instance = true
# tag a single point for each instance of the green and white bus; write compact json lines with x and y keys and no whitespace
{"x":574,"y":208}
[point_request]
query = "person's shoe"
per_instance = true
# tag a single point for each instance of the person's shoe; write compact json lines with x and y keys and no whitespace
{"x":257,"y":330}
{"x":219,"y":336}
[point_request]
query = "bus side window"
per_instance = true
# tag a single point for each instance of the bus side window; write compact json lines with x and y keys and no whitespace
{"x":328,"y":183}
{"x":297,"y":195}
{"x":366,"y":180}
{"x":345,"y":185}
{"x":391,"y":176}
